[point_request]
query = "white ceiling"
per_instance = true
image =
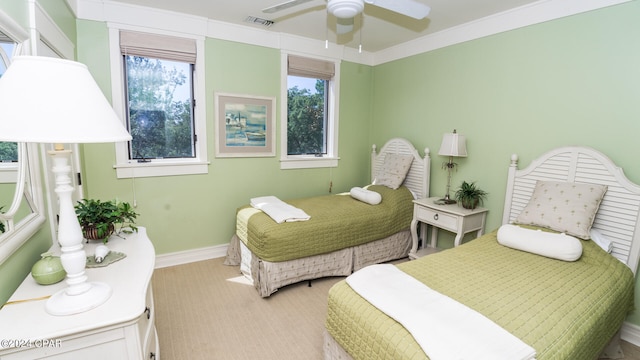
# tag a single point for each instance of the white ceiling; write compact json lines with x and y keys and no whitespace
{"x":376,"y":30}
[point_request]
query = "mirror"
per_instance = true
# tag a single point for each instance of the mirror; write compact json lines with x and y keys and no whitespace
{"x":23,"y":214}
{"x":9,"y":165}
{"x":16,"y":202}
{"x":21,"y":204}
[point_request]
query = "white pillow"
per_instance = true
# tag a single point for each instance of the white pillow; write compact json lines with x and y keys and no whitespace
{"x":364,"y":195}
{"x":552,"y":245}
{"x":563,"y":206}
{"x":393,"y":170}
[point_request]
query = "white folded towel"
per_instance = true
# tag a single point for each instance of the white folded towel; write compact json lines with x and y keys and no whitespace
{"x":443,"y":327}
{"x":261,"y":200}
{"x":279,"y":210}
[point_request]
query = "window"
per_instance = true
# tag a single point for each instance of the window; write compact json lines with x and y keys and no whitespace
{"x":161,"y":84}
{"x":8,"y":150}
{"x":307,"y":101}
{"x":160,"y":108}
{"x":309,"y":130}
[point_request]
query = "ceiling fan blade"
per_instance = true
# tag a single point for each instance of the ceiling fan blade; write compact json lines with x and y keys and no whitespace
{"x":411,"y":8}
{"x":284,"y":5}
{"x":344,"y":26}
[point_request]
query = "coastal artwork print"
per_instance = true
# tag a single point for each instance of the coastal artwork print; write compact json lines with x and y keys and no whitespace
{"x":245,"y":125}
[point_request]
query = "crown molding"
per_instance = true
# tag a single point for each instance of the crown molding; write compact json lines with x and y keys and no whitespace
{"x":145,"y":17}
{"x":128,"y":15}
{"x":519,"y":17}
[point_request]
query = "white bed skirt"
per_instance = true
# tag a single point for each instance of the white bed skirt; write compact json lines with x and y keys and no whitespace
{"x":332,"y":350}
{"x":268,"y":276}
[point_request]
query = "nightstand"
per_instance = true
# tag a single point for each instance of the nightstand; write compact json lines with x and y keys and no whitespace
{"x":452,"y":218}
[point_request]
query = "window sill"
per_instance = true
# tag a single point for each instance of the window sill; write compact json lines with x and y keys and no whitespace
{"x":152,"y":169}
{"x":308,"y":162}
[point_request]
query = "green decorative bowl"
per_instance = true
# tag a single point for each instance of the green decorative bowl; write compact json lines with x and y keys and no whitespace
{"x":48,"y":270}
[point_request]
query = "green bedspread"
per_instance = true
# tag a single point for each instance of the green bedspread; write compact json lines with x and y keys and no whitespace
{"x":337,"y":222}
{"x":564,"y":310}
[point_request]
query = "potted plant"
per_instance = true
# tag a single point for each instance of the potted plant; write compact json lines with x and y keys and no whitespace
{"x":100,"y":219}
{"x":469,"y":195}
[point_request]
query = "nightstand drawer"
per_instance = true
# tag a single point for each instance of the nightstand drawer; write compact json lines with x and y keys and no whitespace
{"x":436,"y":218}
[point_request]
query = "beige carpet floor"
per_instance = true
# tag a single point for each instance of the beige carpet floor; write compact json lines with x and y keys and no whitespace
{"x":205,"y":310}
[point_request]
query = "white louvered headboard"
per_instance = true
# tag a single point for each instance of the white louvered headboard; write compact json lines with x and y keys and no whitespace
{"x":619,"y":212}
{"x":417,"y":179}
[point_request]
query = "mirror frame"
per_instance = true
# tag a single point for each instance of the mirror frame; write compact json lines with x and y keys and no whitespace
{"x":17,"y":234}
{"x":21,"y":172}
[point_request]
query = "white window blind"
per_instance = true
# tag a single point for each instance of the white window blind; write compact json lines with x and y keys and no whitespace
{"x":313,"y":68}
{"x":158,"y":46}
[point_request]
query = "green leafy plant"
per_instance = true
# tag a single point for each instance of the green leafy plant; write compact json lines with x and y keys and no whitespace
{"x":469,"y":195}
{"x":100,"y":219}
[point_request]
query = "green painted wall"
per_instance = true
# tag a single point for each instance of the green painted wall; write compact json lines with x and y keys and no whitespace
{"x":189,"y":212}
{"x":18,"y":266}
{"x":17,"y":10}
{"x":573,"y":81}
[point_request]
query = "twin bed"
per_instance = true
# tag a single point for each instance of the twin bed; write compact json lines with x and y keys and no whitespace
{"x":552,"y":306}
{"x":557,"y":285}
{"x":343,"y":234}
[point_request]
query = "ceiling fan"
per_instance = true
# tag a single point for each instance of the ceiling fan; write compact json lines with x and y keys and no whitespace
{"x":347,"y":9}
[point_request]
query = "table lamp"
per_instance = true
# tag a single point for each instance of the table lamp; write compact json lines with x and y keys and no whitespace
{"x":49,"y":100}
{"x":453,"y":145}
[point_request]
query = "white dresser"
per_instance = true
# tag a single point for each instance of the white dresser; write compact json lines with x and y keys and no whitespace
{"x":121,"y":328}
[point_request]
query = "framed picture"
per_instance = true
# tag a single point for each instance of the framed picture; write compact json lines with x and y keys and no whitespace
{"x":245,"y":125}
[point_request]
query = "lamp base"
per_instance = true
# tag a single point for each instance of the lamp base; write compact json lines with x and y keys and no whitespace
{"x":62,"y":303}
{"x":445,"y":201}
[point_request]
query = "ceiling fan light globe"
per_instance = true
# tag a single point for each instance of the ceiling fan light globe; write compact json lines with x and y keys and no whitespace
{"x":345,"y":9}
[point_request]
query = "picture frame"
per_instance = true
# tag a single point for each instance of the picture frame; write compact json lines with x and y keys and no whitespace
{"x":245,"y":125}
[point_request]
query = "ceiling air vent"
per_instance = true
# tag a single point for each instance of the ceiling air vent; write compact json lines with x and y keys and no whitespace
{"x":259,"y":21}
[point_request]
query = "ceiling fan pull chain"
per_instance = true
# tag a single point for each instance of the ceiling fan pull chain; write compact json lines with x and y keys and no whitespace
{"x":326,"y":30}
{"x":361,"y":28}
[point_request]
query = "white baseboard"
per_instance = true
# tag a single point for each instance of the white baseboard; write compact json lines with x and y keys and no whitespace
{"x":630,"y":333}
{"x":189,"y":256}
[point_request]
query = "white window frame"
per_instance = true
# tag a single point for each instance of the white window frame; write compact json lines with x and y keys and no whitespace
{"x":126,"y":168}
{"x":333,"y":95}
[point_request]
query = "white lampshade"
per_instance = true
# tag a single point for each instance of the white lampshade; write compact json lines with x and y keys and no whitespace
{"x":49,"y":100}
{"x":453,"y":144}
